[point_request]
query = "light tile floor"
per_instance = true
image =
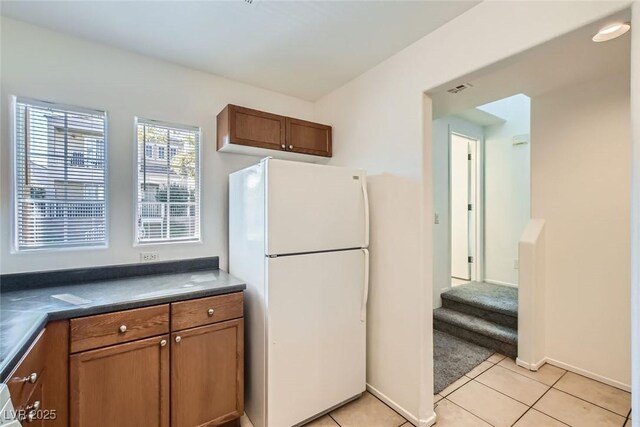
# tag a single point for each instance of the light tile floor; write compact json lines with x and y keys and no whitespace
{"x":499,"y":393}
{"x":505,"y":394}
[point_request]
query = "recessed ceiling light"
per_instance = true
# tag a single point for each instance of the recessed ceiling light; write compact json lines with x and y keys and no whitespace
{"x":611,"y":31}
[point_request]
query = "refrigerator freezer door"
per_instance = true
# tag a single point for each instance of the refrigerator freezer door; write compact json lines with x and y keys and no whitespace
{"x":314,"y":208}
{"x":316,"y":337}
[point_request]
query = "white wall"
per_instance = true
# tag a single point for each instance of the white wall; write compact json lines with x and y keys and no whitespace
{"x":393,"y":198}
{"x":507,"y":184}
{"x":635,"y":212}
{"x":440,"y":170}
{"x":580,"y":186}
{"x":378,"y":125}
{"x":51,"y":66}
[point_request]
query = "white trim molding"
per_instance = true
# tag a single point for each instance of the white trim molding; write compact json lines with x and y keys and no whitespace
{"x":575,"y":370}
{"x":530,"y":366}
{"x":399,"y":409}
{"x":498,"y":282}
{"x":588,"y":374}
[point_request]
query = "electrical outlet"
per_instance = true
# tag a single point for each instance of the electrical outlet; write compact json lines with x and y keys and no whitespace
{"x":149,"y":256}
{"x":516,"y":264}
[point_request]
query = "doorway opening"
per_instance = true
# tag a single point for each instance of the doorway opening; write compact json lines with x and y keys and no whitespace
{"x":486,"y":187}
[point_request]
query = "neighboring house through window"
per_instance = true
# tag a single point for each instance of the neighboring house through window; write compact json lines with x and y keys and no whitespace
{"x":60,"y":176}
{"x":168,"y":189}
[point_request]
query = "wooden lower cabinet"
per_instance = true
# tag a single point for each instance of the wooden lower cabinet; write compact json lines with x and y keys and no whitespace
{"x":207,"y":374}
{"x":192,"y":376}
{"x":38,"y":385}
{"x":125,"y":385}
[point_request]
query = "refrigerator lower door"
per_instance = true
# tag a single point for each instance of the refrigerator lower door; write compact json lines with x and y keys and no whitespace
{"x":316,"y":334}
{"x":312,"y":208}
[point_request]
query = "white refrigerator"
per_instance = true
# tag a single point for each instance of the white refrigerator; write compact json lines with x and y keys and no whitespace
{"x":298,"y":235}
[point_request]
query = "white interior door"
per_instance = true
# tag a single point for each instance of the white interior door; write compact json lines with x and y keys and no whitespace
{"x":314,"y":208}
{"x":460,"y":200}
{"x":316,"y":336}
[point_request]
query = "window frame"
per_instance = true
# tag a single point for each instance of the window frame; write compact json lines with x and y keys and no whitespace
{"x":136,"y":193}
{"x":15,"y":179}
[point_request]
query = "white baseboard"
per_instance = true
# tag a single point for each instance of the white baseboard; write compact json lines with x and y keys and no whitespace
{"x":588,"y":374}
{"x":399,"y":409}
{"x":429,"y":421}
{"x":530,"y":366}
{"x":579,"y":371}
{"x":497,"y":282}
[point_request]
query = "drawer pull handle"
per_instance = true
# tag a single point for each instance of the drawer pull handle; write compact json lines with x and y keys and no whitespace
{"x":31,"y":379}
{"x":123,"y":329}
{"x":163,"y":343}
{"x":34,"y":406}
{"x":210,"y":312}
{"x":178,"y":338}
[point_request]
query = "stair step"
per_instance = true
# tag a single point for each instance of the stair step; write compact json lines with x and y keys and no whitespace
{"x":491,"y":316}
{"x":477,"y":330}
{"x":486,"y":296}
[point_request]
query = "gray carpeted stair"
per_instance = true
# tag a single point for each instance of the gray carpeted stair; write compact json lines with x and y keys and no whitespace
{"x":483,"y":314}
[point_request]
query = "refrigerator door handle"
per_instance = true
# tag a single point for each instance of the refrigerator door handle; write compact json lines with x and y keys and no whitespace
{"x":365,"y":195}
{"x":365,"y":293}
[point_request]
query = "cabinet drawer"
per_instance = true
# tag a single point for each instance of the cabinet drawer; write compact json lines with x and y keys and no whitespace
{"x":27,"y":375}
{"x":204,"y":311}
{"x":114,"y":328}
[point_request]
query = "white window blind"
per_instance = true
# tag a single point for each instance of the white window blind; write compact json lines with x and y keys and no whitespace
{"x":60,"y":176}
{"x":168,"y":183}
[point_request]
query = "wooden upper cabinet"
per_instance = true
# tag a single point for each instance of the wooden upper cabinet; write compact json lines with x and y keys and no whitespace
{"x":244,"y":126}
{"x":308,"y":137}
{"x":246,"y":131}
{"x":207,"y":374}
{"x":125,"y":385}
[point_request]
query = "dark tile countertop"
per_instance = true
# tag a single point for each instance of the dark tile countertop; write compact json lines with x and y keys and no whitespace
{"x":24,"y":313}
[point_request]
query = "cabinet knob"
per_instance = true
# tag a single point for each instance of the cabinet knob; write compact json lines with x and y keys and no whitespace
{"x":210,"y":312}
{"x":163,"y":343}
{"x":291,"y":147}
{"x":123,"y":329}
{"x":34,"y":406}
{"x":283,"y":146}
{"x":178,"y":338}
{"x":31,"y":378}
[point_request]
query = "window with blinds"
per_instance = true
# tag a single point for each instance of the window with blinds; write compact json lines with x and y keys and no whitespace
{"x":168,"y":182}
{"x":60,"y":176}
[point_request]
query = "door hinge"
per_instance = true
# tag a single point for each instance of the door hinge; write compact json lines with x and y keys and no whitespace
{"x":469,"y":156}
{"x":470,"y":260}
{"x":470,"y":206}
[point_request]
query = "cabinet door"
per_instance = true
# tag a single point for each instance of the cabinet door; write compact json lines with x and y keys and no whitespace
{"x":126,"y":385}
{"x":308,"y":137}
{"x":256,"y":128}
{"x":207,"y":374}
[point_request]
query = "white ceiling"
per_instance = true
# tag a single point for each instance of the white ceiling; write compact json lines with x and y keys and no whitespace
{"x":570,"y":59}
{"x":301,"y":48}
